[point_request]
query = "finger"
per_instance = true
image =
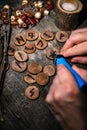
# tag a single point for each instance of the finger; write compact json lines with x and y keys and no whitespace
{"x":81,"y":72}
{"x":79,"y":49}
{"x":80,"y":30}
{"x":79,"y":59}
{"x":74,"y":39}
{"x":49,"y":97}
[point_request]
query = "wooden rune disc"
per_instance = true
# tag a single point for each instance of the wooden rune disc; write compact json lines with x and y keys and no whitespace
{"x":18,"y":66}
{"x":12,"y":48}
{"x":32,"y":92}
{"x":29,"y":48}
{"x":34,"y":68}
{"x":19,"y":40}
{"x":61,"y":36}
{"x":47,"y":35}
{"x":32,"y":35}
{"x":42,"y":78}
{"x":29,"y":78}
{"x":41,"y":44}
{"x":49,"y":70}
{"x":20,"y":56}
{"x":51,"y":51}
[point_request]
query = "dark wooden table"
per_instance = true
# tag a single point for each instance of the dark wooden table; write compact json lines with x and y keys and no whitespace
{"x":20,"y":113}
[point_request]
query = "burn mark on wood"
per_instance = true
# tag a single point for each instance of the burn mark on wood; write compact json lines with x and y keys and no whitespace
{"x":47,"y":35}
{"x":20,"y":55}
{"x":30,"y":76}
{"x":29,"y":48}
{"x":19,"y":39}
{"x":18,"y":64}
{"x":61,"y":36}
{"x":40,"y":43}
{"x":32,"y":92}
{"x":31,"y":35}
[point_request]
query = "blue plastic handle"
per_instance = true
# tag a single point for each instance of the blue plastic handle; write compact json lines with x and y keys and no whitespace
{"x":81,"y":83}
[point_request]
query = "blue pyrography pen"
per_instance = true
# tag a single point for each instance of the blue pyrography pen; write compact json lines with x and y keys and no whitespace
{"x":59,"y":59}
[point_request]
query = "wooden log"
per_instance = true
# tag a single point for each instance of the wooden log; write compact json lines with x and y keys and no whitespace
{"x":67,"y":17}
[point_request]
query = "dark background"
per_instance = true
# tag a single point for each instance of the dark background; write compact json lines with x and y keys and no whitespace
{"x":20,"y":113}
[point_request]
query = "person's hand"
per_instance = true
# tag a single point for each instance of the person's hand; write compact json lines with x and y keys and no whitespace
{"x":66,"y":101}
{"x":76,"y":46}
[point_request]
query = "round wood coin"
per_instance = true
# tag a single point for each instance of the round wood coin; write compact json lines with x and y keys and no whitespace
{"x":47,"y":35}
{"x":29,"y":48}
{"x":32,"y":92}
{"x":49,"y":70}
{"x":19,"y":39}
{"x":61,"y":36}
{"x":29,"y":78}
{"x":18,"y":66}
{"x":42,"y":78}
{"x":32,"y":35}
{"x":50,"y":52}
{"x":12,"y":48}
{"x":34,"y":68}
{"x":41,"y":44}
{"x":20,"y":56}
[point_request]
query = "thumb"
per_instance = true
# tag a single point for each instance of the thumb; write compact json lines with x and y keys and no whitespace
{"x":64,"y":75}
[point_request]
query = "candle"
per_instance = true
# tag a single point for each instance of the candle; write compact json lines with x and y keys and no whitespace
{"x":69,"y":6}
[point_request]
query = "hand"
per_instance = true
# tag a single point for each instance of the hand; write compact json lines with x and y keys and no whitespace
{"x":66,"y":101}
{"x":76,"y":46}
